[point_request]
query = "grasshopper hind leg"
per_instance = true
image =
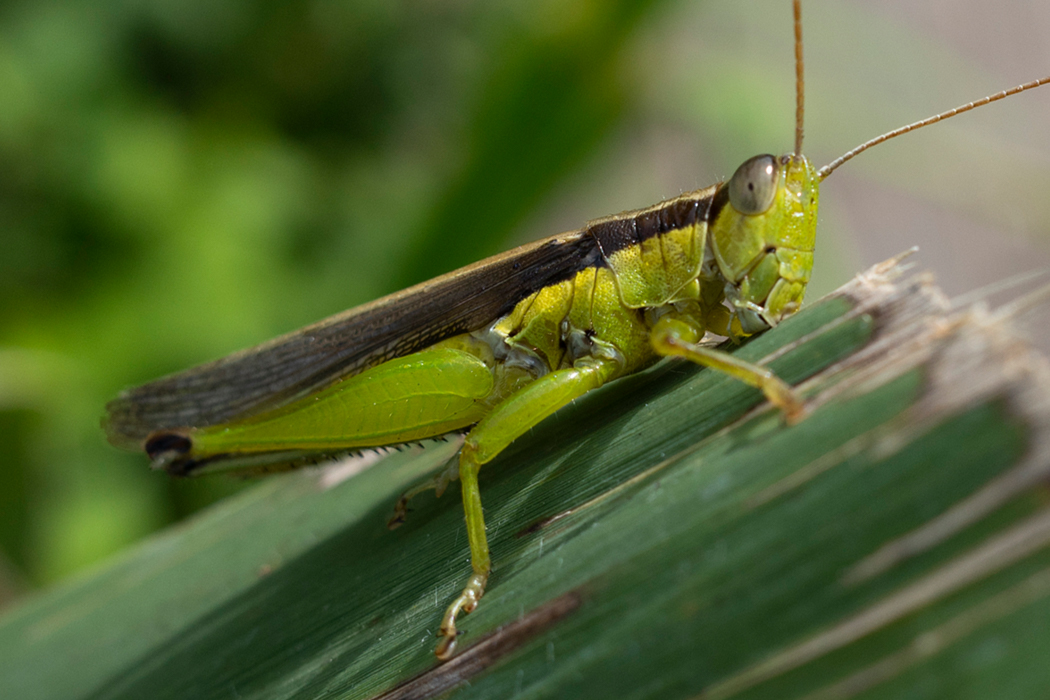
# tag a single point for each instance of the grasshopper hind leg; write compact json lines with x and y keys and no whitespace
{"x":509,"y":420}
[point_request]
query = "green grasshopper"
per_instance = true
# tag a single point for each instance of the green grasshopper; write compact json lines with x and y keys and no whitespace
{"x":496,"y":347}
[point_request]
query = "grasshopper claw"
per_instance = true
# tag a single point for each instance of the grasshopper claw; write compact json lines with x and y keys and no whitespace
{"x":465,"y":603}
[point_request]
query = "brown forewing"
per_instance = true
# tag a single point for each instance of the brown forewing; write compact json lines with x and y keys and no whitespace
{"x":295,"y":364}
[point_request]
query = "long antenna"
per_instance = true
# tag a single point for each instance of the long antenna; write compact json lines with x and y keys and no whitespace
{"x":830,"y":167}
{"x":800,"y":83}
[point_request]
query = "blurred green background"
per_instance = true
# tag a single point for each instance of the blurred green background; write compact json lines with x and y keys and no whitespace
{"x":183,"y":178}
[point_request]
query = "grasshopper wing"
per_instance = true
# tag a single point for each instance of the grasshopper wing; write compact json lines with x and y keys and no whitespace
{"x":300,"y":362}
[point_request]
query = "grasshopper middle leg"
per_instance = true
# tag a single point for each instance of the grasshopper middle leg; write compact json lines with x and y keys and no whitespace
{"x":437,"y":483}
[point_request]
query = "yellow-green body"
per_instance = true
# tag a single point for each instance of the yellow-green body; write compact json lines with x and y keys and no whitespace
{"x":602,"y":315}
{"x":589,"y":307}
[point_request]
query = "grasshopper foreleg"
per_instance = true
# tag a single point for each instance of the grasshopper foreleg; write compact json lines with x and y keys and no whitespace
{"x":674,"y":337}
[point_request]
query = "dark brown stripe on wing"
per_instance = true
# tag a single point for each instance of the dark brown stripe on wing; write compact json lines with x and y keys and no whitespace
{"x":719,"y":201}
{"x":631,"y":228}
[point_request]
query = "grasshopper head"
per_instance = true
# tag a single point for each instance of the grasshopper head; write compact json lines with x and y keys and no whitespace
{"x":762,"y":228}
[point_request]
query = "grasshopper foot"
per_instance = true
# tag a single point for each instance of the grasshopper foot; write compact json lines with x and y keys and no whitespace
{"x":400,"y":513}
{"x":465,"y":603}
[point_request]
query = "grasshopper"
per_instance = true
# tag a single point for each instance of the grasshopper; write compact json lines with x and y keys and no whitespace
{"x":496,"y":347}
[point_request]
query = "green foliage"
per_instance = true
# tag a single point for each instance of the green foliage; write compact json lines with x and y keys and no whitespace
{"x":182,"y":179}
{"x":661,"y":538}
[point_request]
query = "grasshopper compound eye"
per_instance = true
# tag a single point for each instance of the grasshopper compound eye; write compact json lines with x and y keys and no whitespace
{"x":754,"y":185}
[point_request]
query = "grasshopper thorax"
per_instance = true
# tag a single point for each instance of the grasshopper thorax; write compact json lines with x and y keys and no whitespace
{"x":763,"y":223}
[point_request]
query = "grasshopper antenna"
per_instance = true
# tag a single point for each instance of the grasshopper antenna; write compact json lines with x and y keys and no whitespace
{"x":830,"y":167}
{"x":800,"y":83}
